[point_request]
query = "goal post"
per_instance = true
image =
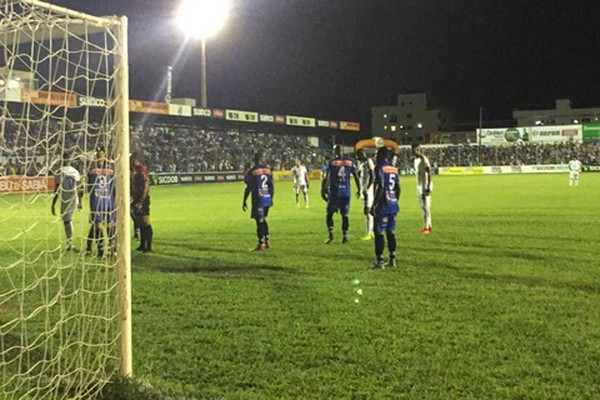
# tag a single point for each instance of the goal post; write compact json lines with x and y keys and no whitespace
{"x":65,"y":279}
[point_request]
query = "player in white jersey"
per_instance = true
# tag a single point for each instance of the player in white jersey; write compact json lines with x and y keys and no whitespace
{"x":300,"y":179}
{"x":424,"y":186}
{"x":574,"y":169}
{"x":366,"y":173}
{"x":67,"y":187}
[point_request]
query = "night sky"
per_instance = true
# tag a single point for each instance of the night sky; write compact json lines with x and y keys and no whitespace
{"x":335,"y":59}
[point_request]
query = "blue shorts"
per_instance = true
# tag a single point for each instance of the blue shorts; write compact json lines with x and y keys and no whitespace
{"x":339,"y":204}
{"x":98,"y":217}
{"x":385,"y":222}
{"x":259,"y":212}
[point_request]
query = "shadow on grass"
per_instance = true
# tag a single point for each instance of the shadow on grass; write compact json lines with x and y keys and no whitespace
{"x":169,"y":263}
{"x":528,"y":281}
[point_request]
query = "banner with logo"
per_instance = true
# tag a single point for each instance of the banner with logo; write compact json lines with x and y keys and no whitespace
{"x":286,"y":175}
{"x":242,"y":116}
{"x":306,"y":122}
{"x":591,"y":168}
{"x":202,"y":112}
{"x":195,"y":178}
{"x":48,"y":98}
{"x":591,"y":131}
{"x":10,"y":94}
{"x":148,"y":107}
{"x":460,"y":171}
{"x":179,"y":110}
{"x":27,"y":184}
{"x":532,"y":134}
{"x":349,"y":126}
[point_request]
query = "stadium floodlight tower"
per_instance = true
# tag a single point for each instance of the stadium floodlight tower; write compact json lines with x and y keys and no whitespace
{"x":200,"y":20}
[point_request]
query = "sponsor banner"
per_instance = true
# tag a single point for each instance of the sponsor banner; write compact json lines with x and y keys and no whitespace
{"x":286,"y":175}
{"x":533,"y":134}
{"x":280,"y":119}
{"x":591,"y":131}
{"x":218,"y":113}
{"x":148,"y":107}
{"x":242,"y":116}
{"x":525,"y":169}
{"x":202,"y":112}
{"x":48,"y":98}
{"x":195,"y":178}
{"x":333,"y":124}
{"x":460,"y":171}
{"x":10,"y":94}
{"x":300,"y":121}
{"x":322,"y":124}
{"x":350,"y":126}
{"x":591,"y":168}
{"x":266,"y":118}
{"x":26,"y":184}
{"x":89,"y":101}
{"x":180,"y":110}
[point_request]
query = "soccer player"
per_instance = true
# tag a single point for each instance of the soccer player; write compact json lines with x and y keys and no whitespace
{"x":67,"y":187}
{"x":335,"y":190}
{"x":367,"y":176}
{"x":259,"y":182}
{"x":385,"y":208}
{"x":300,"y":180}
{"x":574,"y":169}
{"x":101,"y":186}
{"x":140,"y":192}
{"x":424,"y":186}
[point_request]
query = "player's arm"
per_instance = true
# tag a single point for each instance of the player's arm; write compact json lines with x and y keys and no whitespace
{"x":80,"y":193}
{"x":324,"y":185}
{"x":370,"y":181}
{"x":306,"y":178}
{"x":271,"y":187}
{"x":356,"y":181}
{"x":427,"y":189}
{"x":55,"y":198}
{"x":247,"y":190}
{"x":378,"y":193}
{"x":398,"y":189}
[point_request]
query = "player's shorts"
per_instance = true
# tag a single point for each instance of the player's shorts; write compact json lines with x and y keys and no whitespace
{"x":574,"y":174}
{"x":367,"y":200}
{"x":144,"y":210}
{"x":301,"y":188}
{"x":339,"y":204}
{"x":259,"y":212}
{"x":103,"y":216}
{"x":385,"y":222}
{"x":67,"y":209}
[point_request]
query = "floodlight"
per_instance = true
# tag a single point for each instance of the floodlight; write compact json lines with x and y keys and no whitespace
{"x":201,"y":19}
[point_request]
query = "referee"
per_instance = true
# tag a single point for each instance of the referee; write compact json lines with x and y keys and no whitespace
{"x":140,"y":191}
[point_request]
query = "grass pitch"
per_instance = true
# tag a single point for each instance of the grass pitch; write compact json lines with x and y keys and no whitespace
{"x":501,"y":301}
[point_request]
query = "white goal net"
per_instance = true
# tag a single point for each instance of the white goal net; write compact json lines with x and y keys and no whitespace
{"x":64,"y":314}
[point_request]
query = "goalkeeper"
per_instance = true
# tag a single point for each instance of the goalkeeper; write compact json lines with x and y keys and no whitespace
{"x":140,"y":192}
{"x":68,"y":187}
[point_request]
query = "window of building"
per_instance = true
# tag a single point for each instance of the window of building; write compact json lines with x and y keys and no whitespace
{"x":409,"y":115}
{"x":393,"y":118}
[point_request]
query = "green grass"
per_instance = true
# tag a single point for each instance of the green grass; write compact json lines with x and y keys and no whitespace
{"x":501,"y":301}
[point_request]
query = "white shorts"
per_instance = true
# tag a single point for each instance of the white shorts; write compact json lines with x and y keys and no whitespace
{"x":574,"y":174}
{"x":67,"y":209}
{"x":301,"y":188}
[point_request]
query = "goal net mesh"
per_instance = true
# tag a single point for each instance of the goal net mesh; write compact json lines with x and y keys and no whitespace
{"x":58,"y":308}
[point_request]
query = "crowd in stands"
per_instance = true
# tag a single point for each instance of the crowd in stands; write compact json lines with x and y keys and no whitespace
{"x":35,"y":148}
{"x":191,"y":149}
{"x":517,"y":154}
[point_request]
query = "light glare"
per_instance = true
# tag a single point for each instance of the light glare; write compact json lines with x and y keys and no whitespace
{"x":201,"y":19}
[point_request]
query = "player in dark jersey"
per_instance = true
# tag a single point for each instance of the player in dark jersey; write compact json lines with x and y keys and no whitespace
{"x":259,"y":182}
{"x":335,"y":190}
{"x":101,"y":182}
{"x":140,"y":193}
{"x":385,"y":207}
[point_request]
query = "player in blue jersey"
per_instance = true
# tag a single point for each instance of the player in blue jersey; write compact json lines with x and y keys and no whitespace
{"x":259,"y":182}
{"x":385,"y":207}
{"x":101,"y":182}
{"x":336,"y":191}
